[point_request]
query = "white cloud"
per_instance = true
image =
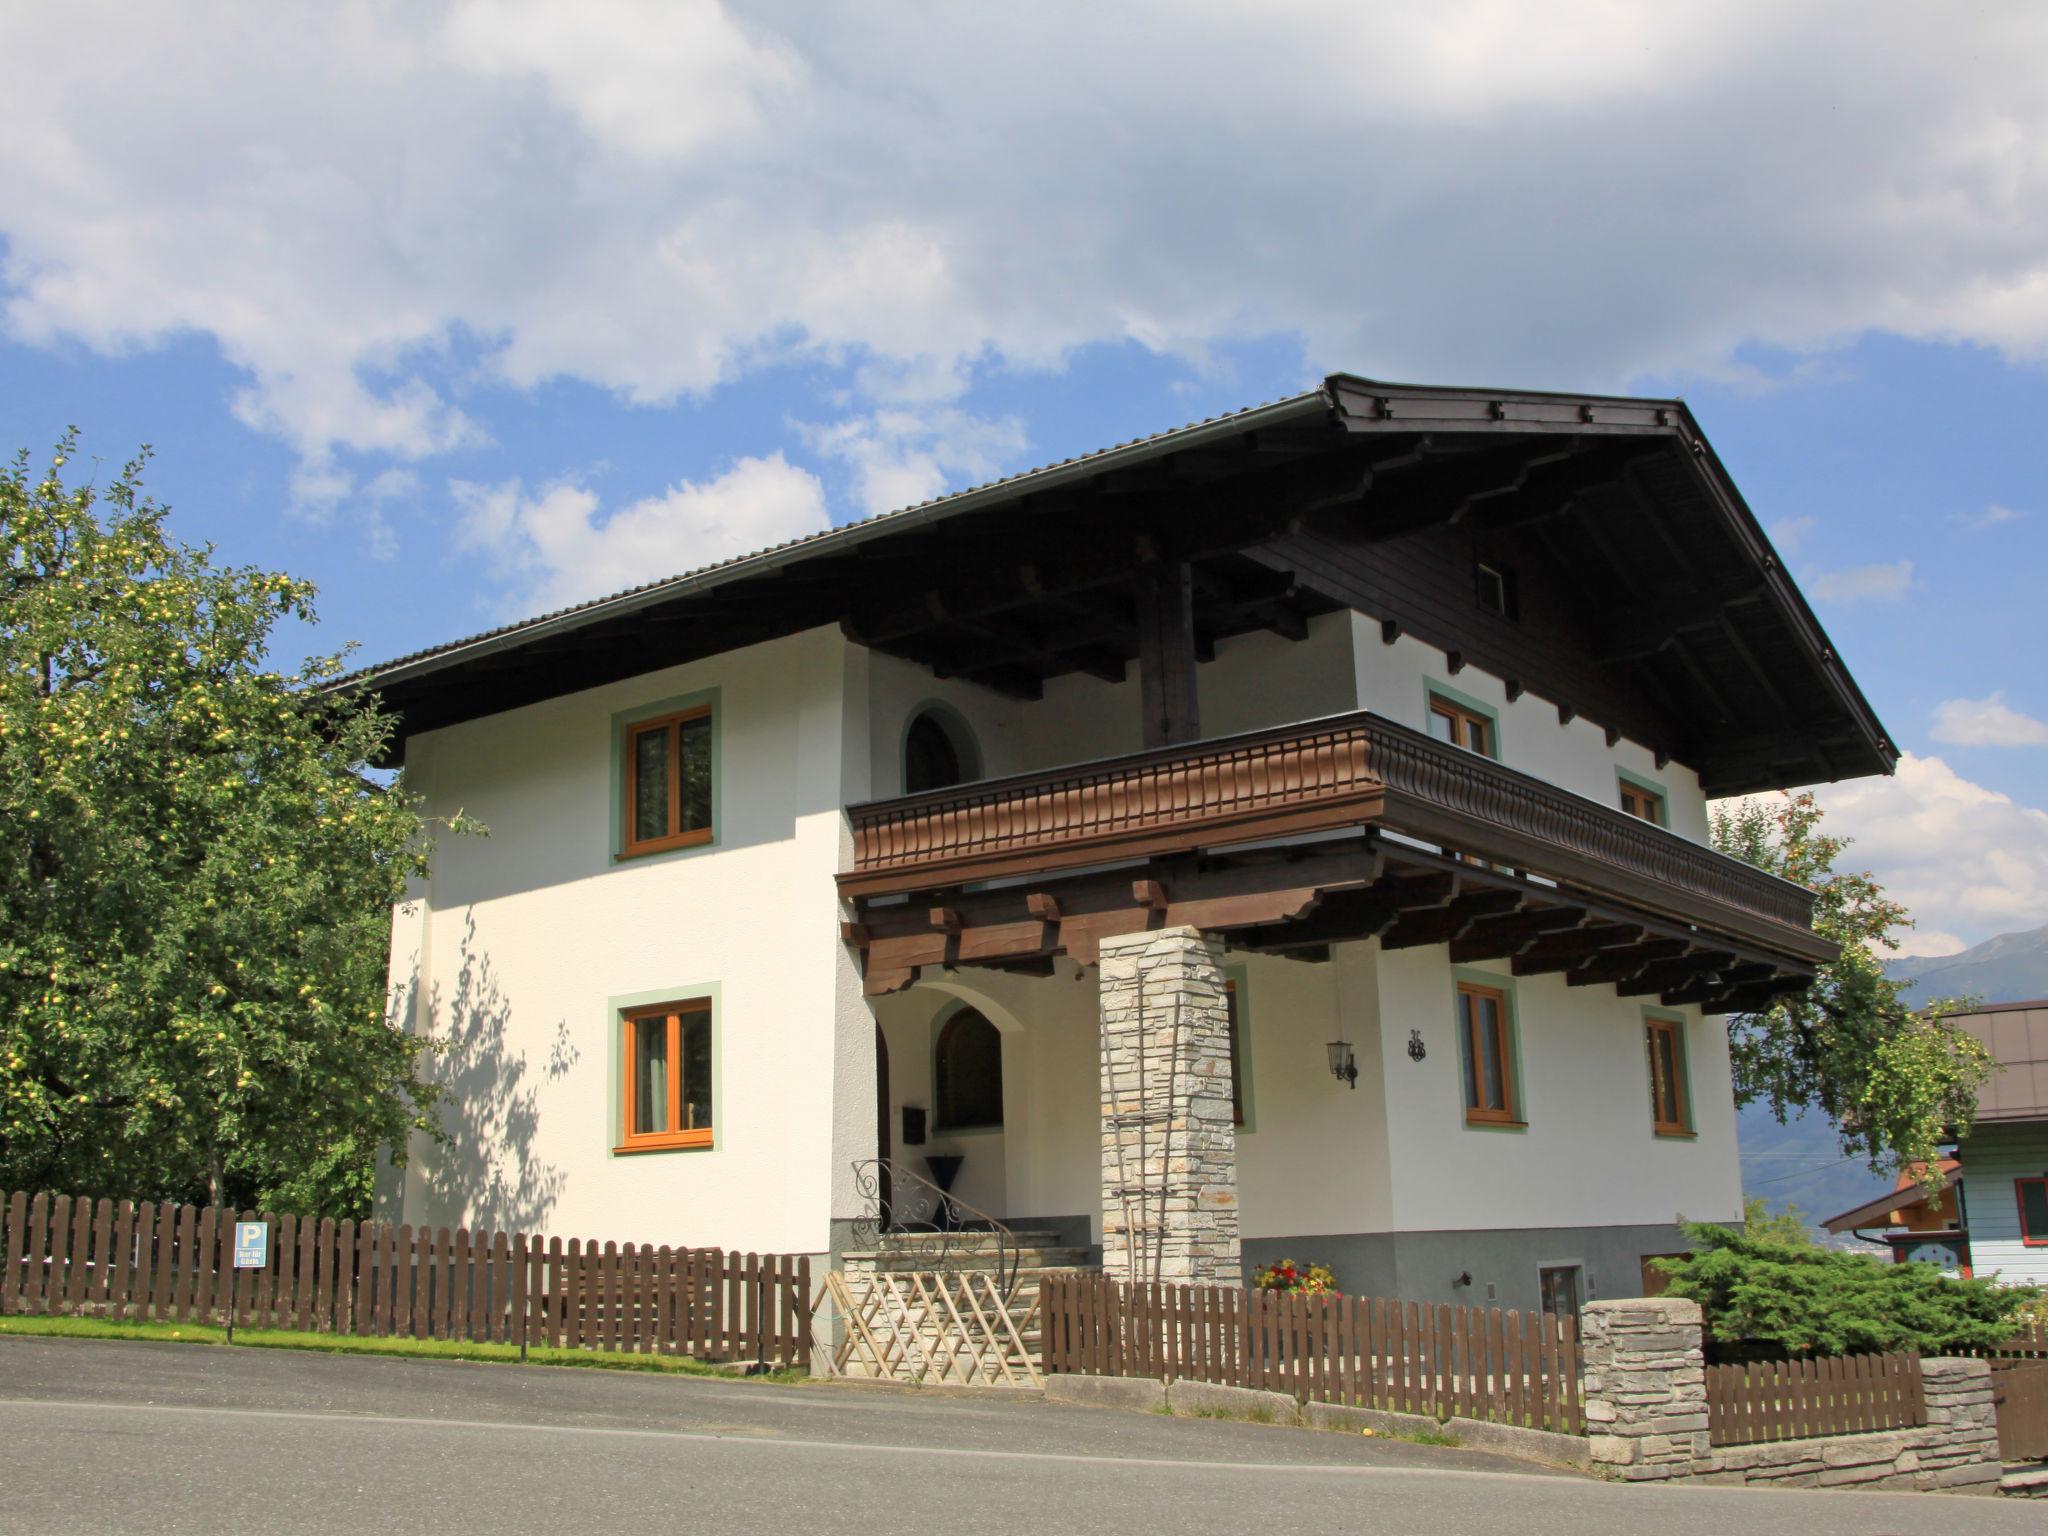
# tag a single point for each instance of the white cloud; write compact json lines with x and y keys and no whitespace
{"x":656,"y":197}
{"x":1987,"y":722}
{"x":899,"y":458}
{"x":1965,"y":860}
{"x":1856,"y":583}
{"x":1990,"y":517}
{"x":1929,"y":944}
{"x":557,"y":549}
{"x":1790,"y":534}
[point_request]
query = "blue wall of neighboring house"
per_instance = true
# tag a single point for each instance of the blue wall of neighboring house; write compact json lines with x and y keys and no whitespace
{"x":1993,"y":1157}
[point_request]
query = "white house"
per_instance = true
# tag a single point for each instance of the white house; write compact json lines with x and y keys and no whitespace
{"x":1281,"y":836}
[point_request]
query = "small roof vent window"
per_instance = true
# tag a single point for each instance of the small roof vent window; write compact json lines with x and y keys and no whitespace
{"x":1496,"y":589}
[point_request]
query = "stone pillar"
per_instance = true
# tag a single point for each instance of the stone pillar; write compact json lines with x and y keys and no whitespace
{"x":1169,"y":1149}
{"x":1963,"y":1453}
{"x":1644,"y":1378}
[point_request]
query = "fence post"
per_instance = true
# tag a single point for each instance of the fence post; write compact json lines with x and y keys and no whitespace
{"x":1643,"y":1384}
{"x":1958,"y":1396}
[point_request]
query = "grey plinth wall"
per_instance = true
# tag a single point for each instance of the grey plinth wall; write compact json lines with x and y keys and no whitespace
{"x":1644,"y":1382}
{"x":1643,"y":1374}
{"x":1169,"y":1149}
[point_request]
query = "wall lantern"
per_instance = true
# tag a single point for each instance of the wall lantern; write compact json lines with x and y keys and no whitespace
{"x":1341,"y":1064}
{"x":1416,"y":1049}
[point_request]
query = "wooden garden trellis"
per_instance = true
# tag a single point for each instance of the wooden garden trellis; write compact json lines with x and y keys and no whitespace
{"x":932,"y":1327}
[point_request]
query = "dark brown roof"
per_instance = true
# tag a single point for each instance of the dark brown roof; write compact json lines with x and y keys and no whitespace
{"x":1672,"y":620}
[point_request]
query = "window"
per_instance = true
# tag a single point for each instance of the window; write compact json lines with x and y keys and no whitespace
{"x":668,"y":782}
{"x":1668,"y":1111}
{"x":2033,"y":1198}
{"x":1646,"y":803}
{"x":1559,"y":1284}
{"x":1236,"y":1054}
{"x":938,"y":753}
{"x":1461,"y":726}
{"x":667,"y":1078}
{"x":1496,"y":588}
{"x":967,"y":1073}
{"x":1486,"y":1056}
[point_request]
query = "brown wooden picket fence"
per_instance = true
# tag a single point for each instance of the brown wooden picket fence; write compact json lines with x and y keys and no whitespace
{"x":1801,"y":1399}
{"x":1406,"y":1357}
{"x":119,"y":1260}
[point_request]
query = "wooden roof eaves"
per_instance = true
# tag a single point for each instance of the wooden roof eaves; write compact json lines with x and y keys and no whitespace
{"x":838,"y":541}
{"x":1368,"y":405}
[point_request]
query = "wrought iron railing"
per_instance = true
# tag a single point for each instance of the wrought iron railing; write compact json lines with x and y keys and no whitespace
{"x":923,"y":1221}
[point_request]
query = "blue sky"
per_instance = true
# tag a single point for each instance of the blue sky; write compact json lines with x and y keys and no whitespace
{"x":465,"y":310}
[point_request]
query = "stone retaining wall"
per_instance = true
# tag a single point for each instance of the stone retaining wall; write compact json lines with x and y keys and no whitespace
{"x":1645,"y":1393}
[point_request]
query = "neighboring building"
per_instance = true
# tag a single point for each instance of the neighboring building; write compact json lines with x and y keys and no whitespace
{"x":1992,"y":1220}
{"x":1332,"y":774}
{"x":1918,"y":1225}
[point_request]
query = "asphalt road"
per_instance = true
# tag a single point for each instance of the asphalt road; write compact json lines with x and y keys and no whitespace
{"x":162,"y":1437}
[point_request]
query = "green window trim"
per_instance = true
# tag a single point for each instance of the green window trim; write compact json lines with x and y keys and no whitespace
{"x":1434,"y":689}
{"x":615,"y":1009}
{"x":1648,"y":786}
{"x":622,"y":723}
{"x":1684,"y":1036}
{"x":1505,"y":986}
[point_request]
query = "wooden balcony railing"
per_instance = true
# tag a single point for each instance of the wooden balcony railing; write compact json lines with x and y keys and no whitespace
{"x":1355,"y":770}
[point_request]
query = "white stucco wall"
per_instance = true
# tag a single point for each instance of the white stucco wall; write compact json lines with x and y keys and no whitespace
{"x":1255,"y":680}
{"x":521,"y":940}
{"x":1589,"y":1155}
{"x":1395,"y":681}
{"x":525,"y":935}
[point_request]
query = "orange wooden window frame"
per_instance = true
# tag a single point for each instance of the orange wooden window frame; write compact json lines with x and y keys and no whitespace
{"x":1469,"y":996}
{"x":2028,"y":1237}
{"x":1653,"y":1031}
{"x":630,"y":1138}
{"x":1463,"y":722}
{"x":1645,"y":804}
{"x":629,"y":845}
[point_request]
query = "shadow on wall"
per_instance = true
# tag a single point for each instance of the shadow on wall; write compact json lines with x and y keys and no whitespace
{"x":486,"y":1172}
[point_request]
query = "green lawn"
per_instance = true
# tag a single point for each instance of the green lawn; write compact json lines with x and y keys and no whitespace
{"x":350,"y":1344}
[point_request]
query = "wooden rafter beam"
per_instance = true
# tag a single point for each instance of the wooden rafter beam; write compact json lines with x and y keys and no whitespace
{"x":1567,"y":951}
{"x":1447,"y":924}
{"x":1502,"y":937}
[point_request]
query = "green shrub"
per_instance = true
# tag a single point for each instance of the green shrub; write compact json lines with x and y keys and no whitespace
{"x":1792,"y":1299}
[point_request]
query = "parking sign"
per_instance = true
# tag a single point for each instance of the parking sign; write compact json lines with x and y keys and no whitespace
{"x":252,"y":1244}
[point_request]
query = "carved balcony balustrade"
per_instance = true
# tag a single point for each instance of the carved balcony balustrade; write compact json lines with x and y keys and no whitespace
{"x":1449,"y":844}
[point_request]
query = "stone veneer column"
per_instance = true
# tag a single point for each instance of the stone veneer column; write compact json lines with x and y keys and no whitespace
{"x":1169,"y":1149}
{"x":1644,"y":1378}
{"x":1963,"y":1416}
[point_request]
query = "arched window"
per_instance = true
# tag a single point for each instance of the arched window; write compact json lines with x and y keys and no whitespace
{"x":967,"y":1073}
{"x":937,"y":753}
